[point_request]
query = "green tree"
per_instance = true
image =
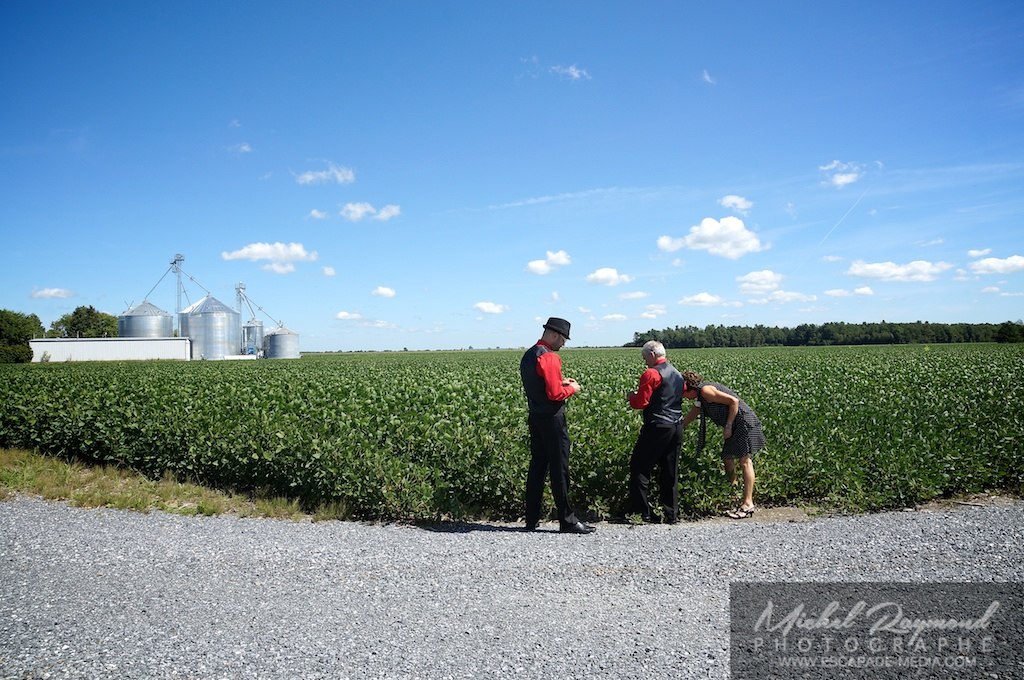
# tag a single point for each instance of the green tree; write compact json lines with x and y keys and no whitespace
{"x":84,"y":322}
{"x":16,"y":329}
{"x":1010,"y":332}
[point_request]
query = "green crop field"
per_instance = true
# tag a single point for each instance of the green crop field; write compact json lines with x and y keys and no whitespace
{"x":443,"y":434}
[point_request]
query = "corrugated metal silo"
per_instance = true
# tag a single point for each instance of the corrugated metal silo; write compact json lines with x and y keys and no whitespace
{"x":281,"y":343}
{"x":213,"y":327}
{"x":252,"y":337}
{"x":145,"y":320}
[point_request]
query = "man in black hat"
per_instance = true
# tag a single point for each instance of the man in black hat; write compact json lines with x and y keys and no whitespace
{"x":546,"y":394}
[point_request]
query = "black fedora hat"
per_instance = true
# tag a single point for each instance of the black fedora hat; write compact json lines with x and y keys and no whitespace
{"x":557,"y":325}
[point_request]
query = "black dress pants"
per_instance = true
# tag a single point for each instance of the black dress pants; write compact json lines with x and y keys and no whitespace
{"x":549,"y":452}
{"x":656,"y":446}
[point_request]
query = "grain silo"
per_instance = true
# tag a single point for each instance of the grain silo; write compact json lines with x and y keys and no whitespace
{"x":252,"y":337}
{"x":213,"y":327}
{"x":145,"y":320}
{"x":281,"y":343}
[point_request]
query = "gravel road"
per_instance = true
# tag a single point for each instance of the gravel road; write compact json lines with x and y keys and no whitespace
{"x":113,"y":594}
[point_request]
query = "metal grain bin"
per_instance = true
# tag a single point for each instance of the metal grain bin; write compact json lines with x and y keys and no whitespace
{"x":252,"y":337}
{"x":214,"y":329}
{"x":145,"y":320}
{"x":281,"y":343}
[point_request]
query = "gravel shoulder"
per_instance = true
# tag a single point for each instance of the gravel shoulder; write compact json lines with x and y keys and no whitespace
{"x":91,"y":593}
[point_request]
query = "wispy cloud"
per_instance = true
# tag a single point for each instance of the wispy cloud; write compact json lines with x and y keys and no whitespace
{"x":573,"y":72}
{"x":315,"y":214}
{"x":653,"y":311}
{"x":736,"y":204}
{"x":329,"y":271}
{"x":333,"y":173}
{"x":242,"y":148}
{"x":840,"y":174}
{"x":52,"y":293}
{"x":706,"y":77}
{"x":383,"y":291}
{"x":979,"y":252}
{"x":355,"y":212}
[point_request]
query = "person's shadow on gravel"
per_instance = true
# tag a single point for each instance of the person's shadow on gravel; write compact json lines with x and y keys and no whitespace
{"x":467,"y":527}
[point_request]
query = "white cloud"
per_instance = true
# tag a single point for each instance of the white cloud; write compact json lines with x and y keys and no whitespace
{"x":608,"y":276}
{"x":979,"y":252}
{"x":50,"y":293}
{"x":669,"y":244}
{"x":383,"y":291}
{"x":838,"y":292}
{"x":244,"y":147}
{"x":282,"y":256}
{"x":990,"y":289}
{"x":635,"y":295}
{"x":706,"y":77}
{"x":701,"y":300}
{"x":333,"y":173}
{"x":863,"y":290}
{"x":759,"y":282}
{"x":840,"y":174}
{"x":329,"y":271}
{"x":387,"y":212}
{"x":315,"y":214}
{"x":559,"y":258}
{"x":279,"y":267}
{"x":933,"y":242}
{"x":653,"y":311}
{"x":354,"y":212}
{"x":726,"y":238}
{"x":539,"y":267}
{"x":348,"y":316}
{"x":736,"y":203}
{"x":573,"y":72}
{"x":614,"y":317}
{"x":994,"y":265}
{"x":832,"y":258}
{"x":490,"y":308}
{"x":546,"y":266}
{"x":918,"y":270}
{"x":784,"y":296}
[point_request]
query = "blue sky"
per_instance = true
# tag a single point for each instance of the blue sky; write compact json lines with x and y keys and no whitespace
{"x":388,"y":175}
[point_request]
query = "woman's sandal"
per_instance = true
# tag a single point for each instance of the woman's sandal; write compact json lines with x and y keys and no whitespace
{"x":741,"y":513}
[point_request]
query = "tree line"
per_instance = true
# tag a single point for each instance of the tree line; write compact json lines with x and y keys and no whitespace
{"x":16,"y":329}
{"x":832,"y":333}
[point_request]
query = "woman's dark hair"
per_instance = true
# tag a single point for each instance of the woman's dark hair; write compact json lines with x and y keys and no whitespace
{"x":692,"y":379}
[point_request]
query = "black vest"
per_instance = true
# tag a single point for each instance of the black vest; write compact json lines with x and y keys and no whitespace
{"x":533,"y":384}
{"x":666,"y":405}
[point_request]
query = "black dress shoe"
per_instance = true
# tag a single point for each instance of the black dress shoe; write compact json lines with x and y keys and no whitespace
{"x":531,"y":526}
{"x":577,"y":528}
